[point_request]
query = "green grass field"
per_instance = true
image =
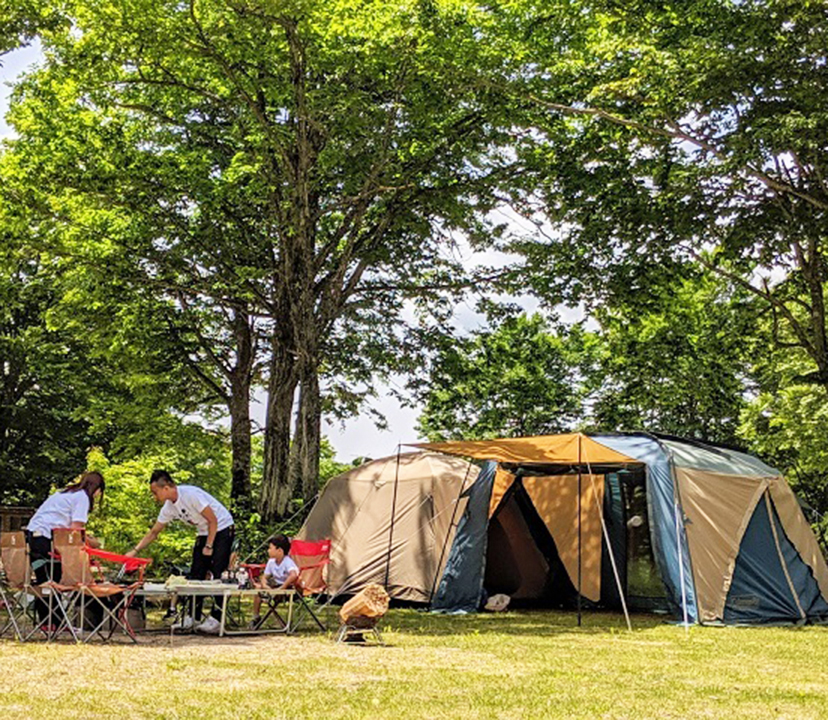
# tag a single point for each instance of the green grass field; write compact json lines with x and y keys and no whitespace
{"x":515,"y":665}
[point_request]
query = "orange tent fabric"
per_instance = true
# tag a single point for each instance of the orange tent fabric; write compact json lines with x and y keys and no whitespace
{"x":568,"y":449}
{"x":556,"y":500}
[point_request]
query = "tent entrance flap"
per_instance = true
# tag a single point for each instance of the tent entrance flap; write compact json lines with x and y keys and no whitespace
{"x":532,"y":546}
{"x":522,"y":560}
{"x":771,"y":583}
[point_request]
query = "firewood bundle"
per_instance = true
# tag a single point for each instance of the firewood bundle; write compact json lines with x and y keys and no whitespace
{"x":372,"y":602}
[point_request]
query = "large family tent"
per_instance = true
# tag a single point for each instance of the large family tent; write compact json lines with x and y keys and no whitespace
{"x":392,"y":522}
{"x":714,"y":534}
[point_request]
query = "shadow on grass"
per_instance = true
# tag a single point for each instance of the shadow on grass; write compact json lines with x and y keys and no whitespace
{"x":517,"y":623}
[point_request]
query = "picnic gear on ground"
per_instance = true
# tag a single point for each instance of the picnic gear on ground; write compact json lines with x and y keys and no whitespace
{"x":371,"y":601}
{"x":361,"y":615}
{"x":722,"y":538}
{"x":497,"y":603}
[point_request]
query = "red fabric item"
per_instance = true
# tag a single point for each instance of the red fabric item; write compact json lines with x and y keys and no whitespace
{"x":308,"y":547}
{"x":253,"y":569}
{"x":131,"y":563}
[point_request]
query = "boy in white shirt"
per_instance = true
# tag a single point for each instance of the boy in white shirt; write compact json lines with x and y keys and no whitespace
{"x":214,"y":542}
{"x":280,"y":572}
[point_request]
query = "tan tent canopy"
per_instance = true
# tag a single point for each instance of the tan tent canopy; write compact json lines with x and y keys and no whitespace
{"x":568,"y":449}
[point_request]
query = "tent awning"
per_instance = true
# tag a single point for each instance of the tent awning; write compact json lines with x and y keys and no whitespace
{"x":568,"y":449}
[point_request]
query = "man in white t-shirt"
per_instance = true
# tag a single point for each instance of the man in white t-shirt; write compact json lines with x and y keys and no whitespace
{"x":214,"y":541}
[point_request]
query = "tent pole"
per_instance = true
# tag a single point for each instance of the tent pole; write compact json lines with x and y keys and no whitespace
{"x":681,"y":572}
{"x":579,"y":529}
{"x":615,"y":572}
{"x":448,"y":533}
{"x":393,"y":513}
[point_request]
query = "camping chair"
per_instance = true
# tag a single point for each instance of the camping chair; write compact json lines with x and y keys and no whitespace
{"x":80,"y":588}
{"x":254,"y":571}
{"x":15,"y":584}
{"x":312,"y":558}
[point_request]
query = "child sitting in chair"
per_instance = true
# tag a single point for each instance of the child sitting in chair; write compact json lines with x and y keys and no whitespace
{"x":280,"y":572}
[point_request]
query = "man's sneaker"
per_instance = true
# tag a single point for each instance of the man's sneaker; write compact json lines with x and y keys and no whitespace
{"x":254,"y":623}
{"x":210,"y":626}
{"x":184,"y":624}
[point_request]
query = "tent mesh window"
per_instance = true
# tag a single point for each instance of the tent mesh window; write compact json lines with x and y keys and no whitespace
{"x":645,"y":587}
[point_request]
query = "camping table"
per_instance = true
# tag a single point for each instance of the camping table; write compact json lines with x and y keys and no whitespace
{"x":193,"y":590}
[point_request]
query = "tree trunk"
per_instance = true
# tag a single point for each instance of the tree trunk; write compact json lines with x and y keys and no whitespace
{"x":306,"y":444}
{"x":276,"y":482}
{"x":241,"y":378}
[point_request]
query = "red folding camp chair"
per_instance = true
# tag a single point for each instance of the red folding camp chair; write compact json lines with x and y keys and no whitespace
{"x":312,"y":559}
{"x":83,"y":593}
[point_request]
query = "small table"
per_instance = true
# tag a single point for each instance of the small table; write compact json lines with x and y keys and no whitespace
{"x":272,"y":593}
{"x":195,"y":589}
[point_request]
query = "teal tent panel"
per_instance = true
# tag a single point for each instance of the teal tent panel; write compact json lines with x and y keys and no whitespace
{"x":699,"y":456}
{"x":461,"y":586}
{"x":673,"y":565}
{"x":760,"y":591}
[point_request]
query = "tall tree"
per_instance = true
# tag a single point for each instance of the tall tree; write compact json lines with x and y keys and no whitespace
{"x":43,"y":376}
{"x":522,"y":378}
{"x":285,"y":160}
{"x":667,"y":129}
{"x":677,"y":360}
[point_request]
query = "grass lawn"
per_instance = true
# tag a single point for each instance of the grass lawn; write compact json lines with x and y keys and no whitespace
{"x":515,"y":665}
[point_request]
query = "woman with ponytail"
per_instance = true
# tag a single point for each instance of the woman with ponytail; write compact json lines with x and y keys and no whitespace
{"x":68,"y":508}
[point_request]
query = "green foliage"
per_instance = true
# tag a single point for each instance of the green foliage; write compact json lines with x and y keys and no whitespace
{"x":676,"y":361}
{"x":517,"y":379}
{"x":787,"y":423}
{"x":328,"y":466}
{"x":45,"y":379}
{"x":251,"y":531}
{"x":22,"y":20}
{"x":668,"y":129}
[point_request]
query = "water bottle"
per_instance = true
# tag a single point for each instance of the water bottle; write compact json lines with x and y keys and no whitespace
{"x":241,"y":577}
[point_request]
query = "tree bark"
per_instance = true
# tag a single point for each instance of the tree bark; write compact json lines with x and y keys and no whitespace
{"x":276,"y":481}
{"x":241,"y":378}
{"x":308,"y":437}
